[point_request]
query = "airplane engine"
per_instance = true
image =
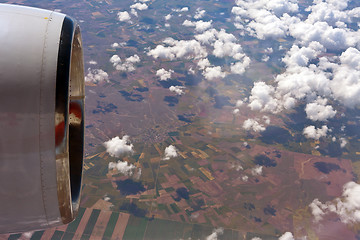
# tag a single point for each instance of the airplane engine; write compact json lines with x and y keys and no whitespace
{"x":41,"y":118}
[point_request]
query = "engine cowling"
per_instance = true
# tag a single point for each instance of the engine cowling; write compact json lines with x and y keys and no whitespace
{"x":41,"y":118}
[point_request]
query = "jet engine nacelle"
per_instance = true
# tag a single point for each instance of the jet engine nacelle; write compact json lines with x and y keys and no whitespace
{"x":41,"y":118}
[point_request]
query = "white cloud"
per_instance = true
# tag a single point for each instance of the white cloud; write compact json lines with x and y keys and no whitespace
{"x":245,"y":178}
{"x":328,"y":36}
{"x":237,"y":166}
{"x":257,"y":170}
{"x":265,"y":58}
{"x":203,"y":63}
{"x":27,"y":235}
{"x":319,"y":111}
{"x":301,"y":56}
{"x":287,"y":236}
{"x":139,"y":6}
{"x":127,"y":66}
{"x":124,"y":16}
{"x":343,"y":142}
{"x":188,"y":23}
{"x":118,"y":45}
{"x":347,"y":207}
{"x":137,"y":175}
{"x":230,"y":49}
{"x":262,"y":98}
{"x":200,"y":26}
{"x":207,"y":37}
{"x":184,"y":9}
{"x":252,"y":124}
{"x":170,"y":152}
{"x":236,"y":111}
{"x":266,"y":120}
{"x":134,"y":12}
{"x":199,"y":13}
{"x":315,"y":133}
{"x":123,"y":167}
{"x":265,"y":19}
{"x":346,"y":84}
{"x":240,"y":67}
{"x":179,"y":90}
{"x":163,"y":74}
{"x":214,"y":235}
{"x":256,"y":238}
{"x":179,"y":49}
{"x":168,"y":17}
{"x":96,"y":76}
{"x":211,"y":73}
{"x":92,"y":62}
{"x":239,"y":103}
{"x":115,"y":59}
{"x":133,"y":59}
{"x":118,"y":146}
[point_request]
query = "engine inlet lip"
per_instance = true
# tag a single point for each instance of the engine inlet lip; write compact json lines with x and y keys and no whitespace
{"x":69,"y":120}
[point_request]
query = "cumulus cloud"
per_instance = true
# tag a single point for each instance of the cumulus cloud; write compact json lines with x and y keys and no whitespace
{"x":319,"y":111}
{"x":96,"y":76}
{"x":211,"y":73}
{"x":203,"y":63}
{"x":328,"y":36}
{"x":239,"y":103}
{"x":252,"y":124}
{"x":236,"y":166}
{"x":315,"y":133}
{"x":266,"y":119}
{"x":123,"y":16}
{"x":347,"y":207}
{"x":179,"y":49}
{"x":262,"y":98}
{"x":297,"y":56}
{"x":199,"y":13}
{"x":184,"y":9}
{"x":123,"y":167}
{"x":200,"y":26}
{"x":134,"y":12}
{"x":228,"y":48}
{"x":127,"y":65}
{"x":139,"y":6}
{"x":240,"y":67}
{"x":27,"y":235}
{"x":188,"y":23}
{"x":170,"y":152}
{"x":92,"y":62}
{"x":343,"y":142}
{"x":118,"y":45}
{"x":168,"y":17}
{"x":265,"y":19}
{"x":311,"y":75}
{"x":257,"y":170}
{"x":345,"y":84}
{"x":163,"y":74}
{"x":287,"y":236}
{"x":119,"y":146}
{"x":179,"y":90}
{"x":214,"y":235}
